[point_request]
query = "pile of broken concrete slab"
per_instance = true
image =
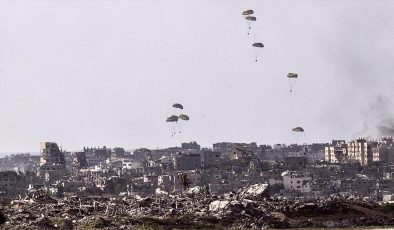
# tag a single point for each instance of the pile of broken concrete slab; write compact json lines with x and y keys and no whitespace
{"x":250,"y":207}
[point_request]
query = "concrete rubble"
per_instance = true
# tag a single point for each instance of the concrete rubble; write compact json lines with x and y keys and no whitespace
{"x":193,"y":209}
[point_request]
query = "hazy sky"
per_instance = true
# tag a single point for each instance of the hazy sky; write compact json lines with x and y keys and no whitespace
{"x":88,"y":73}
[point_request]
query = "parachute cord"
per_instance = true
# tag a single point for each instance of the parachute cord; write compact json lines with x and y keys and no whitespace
{"x":249,"y":27}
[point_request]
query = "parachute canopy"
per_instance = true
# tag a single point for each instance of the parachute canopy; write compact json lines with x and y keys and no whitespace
{"x":258,"y":44}
{"x":183,"y":117}
{"x":257,"y":51}
{"x":173,"y":118}
{"x":248,"y":12}
{"x":251,"y":18}
{"x":292,"y":78}
{"x":298,"y":129}
{"x":292,"y":75}
{"x":177,"y":105}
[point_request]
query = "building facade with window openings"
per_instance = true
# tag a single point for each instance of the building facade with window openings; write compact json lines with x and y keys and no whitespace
{"x":297,"y":182}
{"x":336,"y":152}
{"x":11,"y":183}
{"x":52,"y":161}
{"x":358,"y":151}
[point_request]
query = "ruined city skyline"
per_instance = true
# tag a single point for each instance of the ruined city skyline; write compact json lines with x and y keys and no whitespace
{"x":208,"y":147}
{"x":179,"y":145}
{"x":338,"y":184}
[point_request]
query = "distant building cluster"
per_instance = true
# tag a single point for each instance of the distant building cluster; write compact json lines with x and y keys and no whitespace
{"x":361,"y":151}
{"x":360,"y":167}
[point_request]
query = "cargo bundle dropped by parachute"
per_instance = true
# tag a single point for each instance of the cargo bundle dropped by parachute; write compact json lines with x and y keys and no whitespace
{"x":257,"y":47}
{"x":249,"y":18}
{"x":292,"y":78}
{"x":177,"y":121}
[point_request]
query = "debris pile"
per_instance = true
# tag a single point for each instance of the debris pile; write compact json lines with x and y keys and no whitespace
{"x":255,"y":191}
{"x":250,"y":207}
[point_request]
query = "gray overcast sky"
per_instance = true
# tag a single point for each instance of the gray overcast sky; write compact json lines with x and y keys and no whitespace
{"x":88,"y":73}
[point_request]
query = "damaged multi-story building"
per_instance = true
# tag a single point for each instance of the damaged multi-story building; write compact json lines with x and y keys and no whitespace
{"x":12,"y":183}
{"x":52,"y":162}
{"x":336,"y":152}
